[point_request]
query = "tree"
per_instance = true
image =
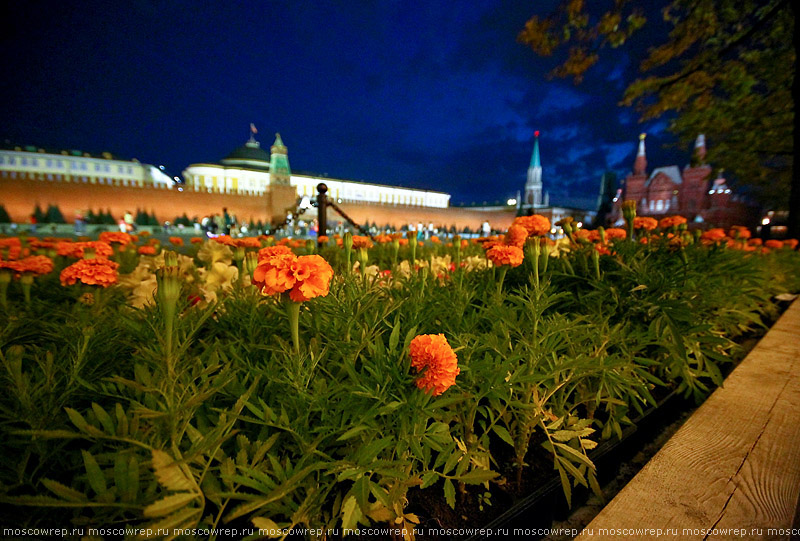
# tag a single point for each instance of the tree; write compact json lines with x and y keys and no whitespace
{"x":4,"y":217}
{"x":53,"y":215}
{"x":726,"y":69}
{"x":38,"y":214}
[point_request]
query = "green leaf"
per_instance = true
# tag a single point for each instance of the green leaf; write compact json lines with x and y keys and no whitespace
{"x":268,"y":525}
{"x":450,"y":493}
{"x":394,"y":338}
{"x":565,"y":484}
{"x":477,"y":476}
{"x":352,"y":432}
{"x":96,"y":478}
{"x":169,"y":473}
{"x":104,"y":418}
{"x":168,"y":504}
{"x":133,"y":480}
{"x":502,"y":432}
{"x":121,"y":474}
{"x":65,"y":492}
{"x":575,"y":454}
{"x":350,"y":513}
{"x":429,"y":478}
{"x":361,"y":492}
{"x":81,"y":424}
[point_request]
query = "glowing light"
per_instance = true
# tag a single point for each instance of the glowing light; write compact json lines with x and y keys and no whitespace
{"x":536,"y":133}
{"x":710,"y":191}
{"x":765,"y":221}
{"x":579,"y":224}
{"x":511,"y":202}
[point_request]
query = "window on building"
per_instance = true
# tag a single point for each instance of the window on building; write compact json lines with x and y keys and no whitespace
{"x":652,"y":205}
{"x":666,"y":205}
{"x":35,"y":162}
{"x":24,"y":161}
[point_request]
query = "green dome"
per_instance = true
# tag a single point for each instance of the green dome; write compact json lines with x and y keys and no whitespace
{"x":250,"y":155}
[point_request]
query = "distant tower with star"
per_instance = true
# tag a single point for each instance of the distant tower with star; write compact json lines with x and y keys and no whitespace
{"x":534,"y":197}
{"x":279,"y":171}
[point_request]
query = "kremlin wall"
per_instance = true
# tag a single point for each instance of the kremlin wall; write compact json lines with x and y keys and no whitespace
{"x":251,"y":183}
{"x":255,"y":185}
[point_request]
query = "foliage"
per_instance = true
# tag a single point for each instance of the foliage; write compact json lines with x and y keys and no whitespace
{"x":726,"y":70}
{"x":194,"y":408}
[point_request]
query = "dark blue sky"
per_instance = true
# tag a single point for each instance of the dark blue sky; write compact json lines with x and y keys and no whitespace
{"x":434,"y":95}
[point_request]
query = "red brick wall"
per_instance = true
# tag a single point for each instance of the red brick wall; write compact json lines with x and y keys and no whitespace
{"x":634,"y":189}
{"x":694,"y":192}
{"x":20,"y":195}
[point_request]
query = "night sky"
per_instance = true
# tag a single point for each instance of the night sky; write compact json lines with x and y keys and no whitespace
{"x":435,"y":95}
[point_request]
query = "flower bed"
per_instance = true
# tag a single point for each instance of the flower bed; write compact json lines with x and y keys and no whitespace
{"x":246,"y":383}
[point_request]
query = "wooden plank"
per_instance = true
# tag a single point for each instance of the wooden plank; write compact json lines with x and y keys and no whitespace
{"x":768,"y":485}
{"x":734,"y":464}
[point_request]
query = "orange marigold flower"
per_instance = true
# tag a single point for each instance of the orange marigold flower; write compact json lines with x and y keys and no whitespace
{"x":247,"y":242}
{"x":435,"y":359}
{"x":98,"y":271}
{"x":176,"y":241}
{"x":304,"y":277}
{"x":37,"y":265}
{"x":602,"y":249}
{"x":226,"y":240}
{"x":713,"y":236}
{"x":537,"y":225}
{"x":147,"y":250}
{"x":197,"y":240}
{"x":615,"y":233}
{"x":115,"y":237}
{"x":144,"y":233}
{"x":671,"y":221}
{"x":270,"y":251}
{"x":323,"y":239}
{"x":757,"y":242}
{"x":435,"y":239}
{"x":516,"y":236}
{"x":402,"y":241}
{"x":739,"y":232}
{"x":505,"y":255}
{"x":645,"y":222}
{"x":583,"y":234}
{"x":77,"y":249}
{"x":360,"y":241}
{"x":791,"y":243}
{"x":775,"y":244}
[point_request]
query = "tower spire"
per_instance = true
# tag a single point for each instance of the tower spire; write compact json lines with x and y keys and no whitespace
{"x":279,"y":171}
{"x":533,"y":186}
{"x":700,"y":149}
{"x":535,"y":157}
{"x":640,"y":165}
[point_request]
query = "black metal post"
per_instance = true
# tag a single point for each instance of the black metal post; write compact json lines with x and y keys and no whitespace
{"x":322,"y":211}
